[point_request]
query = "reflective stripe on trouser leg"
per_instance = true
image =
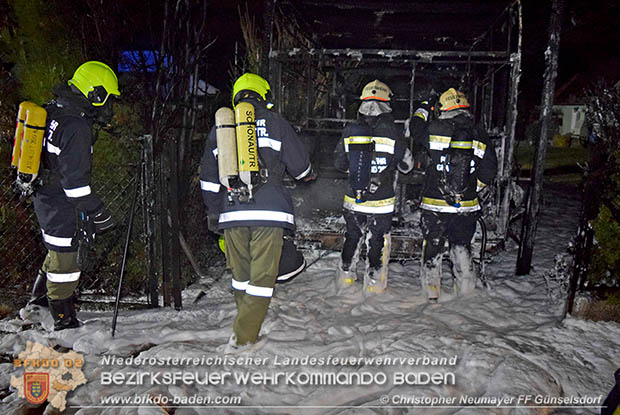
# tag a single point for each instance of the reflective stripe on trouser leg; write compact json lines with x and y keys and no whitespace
{"x":265,"y":244}
{"x":463,"y":269}
{"x":376,"y":279}
{"x":238,"y":259}
{"x":430,"y":269}
{"x":63,"y":274}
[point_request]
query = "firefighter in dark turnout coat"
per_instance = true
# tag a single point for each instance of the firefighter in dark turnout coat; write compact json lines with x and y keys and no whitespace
{"x":253,"y":231}
{"x":462,"y":163}
{"x":65,"y":191}
{"x":371,"y":151}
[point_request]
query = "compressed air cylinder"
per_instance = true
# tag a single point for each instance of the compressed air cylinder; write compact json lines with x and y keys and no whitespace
{"x":360,"y":147}
{"x":226,"y":145}
{"x":19,"y":132}
{"x":32,"y":143}
{"x":247,"y":149}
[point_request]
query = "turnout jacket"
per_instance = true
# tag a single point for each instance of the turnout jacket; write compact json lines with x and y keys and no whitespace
{"x":444,"y":133}
{"x":390,"y":153}
{"x":66,"y":161}
{"x":280,"y":150}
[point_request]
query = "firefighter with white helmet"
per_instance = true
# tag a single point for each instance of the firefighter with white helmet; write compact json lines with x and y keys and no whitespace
{"x":371,"y":150}
{"x":462,"y":162}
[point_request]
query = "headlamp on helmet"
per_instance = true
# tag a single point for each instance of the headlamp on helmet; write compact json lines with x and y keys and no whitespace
{"x":250,"y":85}
{"x":96,"y":81}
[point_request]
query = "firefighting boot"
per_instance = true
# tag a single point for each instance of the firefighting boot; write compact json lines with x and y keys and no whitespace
{"x":375,"y":281}
{"x":345,"y":276}
{"x":63,"y":312}
{"x":430,"y":275}
{"x":463,"y":269}
{"x":38,"y":296}
{"x":376,"y":278}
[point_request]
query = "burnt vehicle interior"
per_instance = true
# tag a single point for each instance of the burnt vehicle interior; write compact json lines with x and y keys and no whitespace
{"x":418,"y":48}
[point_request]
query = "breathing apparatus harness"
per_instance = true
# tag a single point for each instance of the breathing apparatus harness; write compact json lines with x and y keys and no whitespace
{"x":456,"y":165}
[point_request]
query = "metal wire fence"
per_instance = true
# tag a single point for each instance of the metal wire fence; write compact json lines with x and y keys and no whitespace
{"x":21,"y":248}
{"x":115,"y":180}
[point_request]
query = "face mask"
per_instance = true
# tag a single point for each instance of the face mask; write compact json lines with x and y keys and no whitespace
{"x":105,"y":114}
{"x":374,"y":108}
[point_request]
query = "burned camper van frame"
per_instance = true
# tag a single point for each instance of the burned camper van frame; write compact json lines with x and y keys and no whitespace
{"x":476,"y":49}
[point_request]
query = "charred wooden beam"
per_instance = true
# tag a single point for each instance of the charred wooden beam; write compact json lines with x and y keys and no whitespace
{"x":418,"y":7}
{"x":505,"y":178}
{"x":530,"y":221}
{"x":386,"y":54}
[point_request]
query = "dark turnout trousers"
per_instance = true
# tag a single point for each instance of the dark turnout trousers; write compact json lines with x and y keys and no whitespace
{"x":359,"y":225}
{"x":253,"y":254}
{"x":458,"y":230}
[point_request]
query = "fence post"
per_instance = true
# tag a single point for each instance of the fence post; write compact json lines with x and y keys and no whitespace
{"x":162,"y":195}
{"x":173,"y":211}
{"x":148,"y":206}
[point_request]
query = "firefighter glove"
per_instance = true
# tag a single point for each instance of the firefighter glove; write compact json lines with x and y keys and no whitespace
{"x":103,"y":221}
{"x":86,"y":241}
{"x":86,"y":258}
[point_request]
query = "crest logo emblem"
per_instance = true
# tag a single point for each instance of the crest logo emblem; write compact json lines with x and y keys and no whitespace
{"x":36,"y":387}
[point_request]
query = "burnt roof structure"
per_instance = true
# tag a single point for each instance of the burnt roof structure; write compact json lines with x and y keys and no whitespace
{"x":396,"y":24}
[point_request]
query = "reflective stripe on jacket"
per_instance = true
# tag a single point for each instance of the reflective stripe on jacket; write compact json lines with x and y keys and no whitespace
{"x":441,"y":138}
{"x":390,"y":154}
{"x":67,"y":159}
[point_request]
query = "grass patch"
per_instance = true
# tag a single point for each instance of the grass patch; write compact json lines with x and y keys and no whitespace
{"x":602,"y":310}
{"x":557,"y":157}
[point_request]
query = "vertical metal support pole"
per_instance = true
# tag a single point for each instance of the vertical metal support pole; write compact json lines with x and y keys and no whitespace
{"x":279,"y":92}
{"x":491,"y":99}
{"x":412,"y":90}
{"x":333,"y":93}
{"x":163,"y":223}
{"x":173,"y":211}
{"x":328,"y":100}
{"x":509,"y":140}
{"x":126,"y":249}
{"x":476,"y":106}
{"x":411,"y":109}
{"x":148,"y":207}
{"x":526,"y":247}
{"x":310,"y":90}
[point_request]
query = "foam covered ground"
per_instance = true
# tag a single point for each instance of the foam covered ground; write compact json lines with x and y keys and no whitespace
{"x":509,"y":341}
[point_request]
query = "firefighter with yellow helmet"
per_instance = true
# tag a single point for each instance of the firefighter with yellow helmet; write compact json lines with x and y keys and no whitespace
{"x":64,"y":202}
{"x":462,"y":162}
{"x":255,"y":210}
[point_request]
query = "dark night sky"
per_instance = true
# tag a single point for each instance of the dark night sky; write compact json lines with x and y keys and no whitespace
{"x":589,"y":42}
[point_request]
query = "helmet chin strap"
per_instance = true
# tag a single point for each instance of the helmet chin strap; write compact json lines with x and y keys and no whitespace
{"x":249,"y":94}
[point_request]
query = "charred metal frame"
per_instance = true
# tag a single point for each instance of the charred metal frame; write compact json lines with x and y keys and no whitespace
{"x":491,"y":66}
